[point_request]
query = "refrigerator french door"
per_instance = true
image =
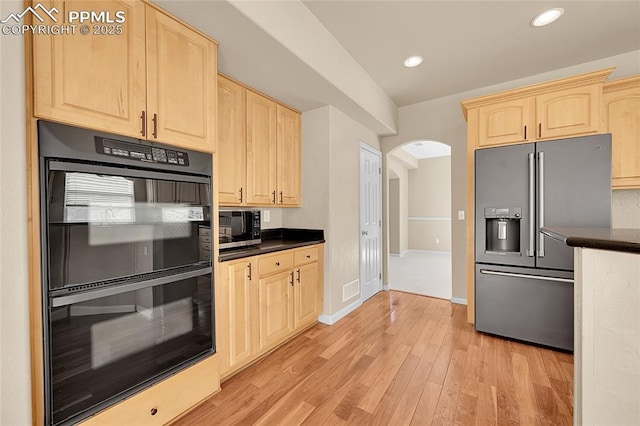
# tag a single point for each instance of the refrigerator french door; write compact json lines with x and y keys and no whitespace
{"x":519,"y":190}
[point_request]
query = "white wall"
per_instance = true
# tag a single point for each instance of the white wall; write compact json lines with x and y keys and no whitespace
{"x":394,"y":216}
{"x":442,"y":120}
{"x":15,"y":367}
{"x":430,"y":205}
{"x":403,"y":199}
{"x":330,"y":194}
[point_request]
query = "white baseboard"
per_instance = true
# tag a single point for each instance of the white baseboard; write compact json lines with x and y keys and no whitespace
{"x":385,"y":287}
{"x":459,"y":300}
{"x":399,"y":254}
{"x":428,"y":251}
{"x":332,"y":319}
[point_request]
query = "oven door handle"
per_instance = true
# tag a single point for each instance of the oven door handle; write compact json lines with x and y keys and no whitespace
{"x":124,"y":288}
{"x":117,"y":171}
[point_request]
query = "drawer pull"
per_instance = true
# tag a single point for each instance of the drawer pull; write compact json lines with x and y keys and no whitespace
{"x":277,"y":263}
{"x":154,"y":411}
{"x":308,"y":256}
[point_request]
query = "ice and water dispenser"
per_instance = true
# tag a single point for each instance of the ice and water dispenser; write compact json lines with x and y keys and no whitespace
{"x":503,"y":230}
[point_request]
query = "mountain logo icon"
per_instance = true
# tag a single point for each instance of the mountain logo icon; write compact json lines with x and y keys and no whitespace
{"x":17,"y":17}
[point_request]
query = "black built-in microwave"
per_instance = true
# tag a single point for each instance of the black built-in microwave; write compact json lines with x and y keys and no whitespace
{"x":239,"y":228}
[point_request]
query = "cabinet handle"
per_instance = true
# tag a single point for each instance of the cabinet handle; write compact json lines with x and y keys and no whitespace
{"x":240,"y":194}
{"x":280,"y":197}
{"x":539,"y":130}
{"x":277,"y":263}
{"x":249,"y":266}
{"x":155,"y":126}
{"x":273,"y":194}
{"x":308,"y":256}
{"x":143,"y":117}
{"x":154,"y":411}
{"x":298,"y":275}
{"x":291,"y":278}
{"x":525,"y":133}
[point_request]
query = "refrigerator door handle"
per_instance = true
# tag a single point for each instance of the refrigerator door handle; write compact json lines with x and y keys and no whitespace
{"x":532,"y":230}
{"x":540,"y":203}
{"x":532,"y":277}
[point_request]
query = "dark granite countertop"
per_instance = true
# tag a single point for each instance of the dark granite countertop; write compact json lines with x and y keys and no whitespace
{"x":616,"y":239}
{"x":276,"y":240}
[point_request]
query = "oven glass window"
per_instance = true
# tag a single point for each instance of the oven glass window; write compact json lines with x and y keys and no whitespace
{"x":103,"y":227}
{"x":104,"y":346}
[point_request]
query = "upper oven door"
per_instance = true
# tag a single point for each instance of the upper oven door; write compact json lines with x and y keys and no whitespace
{"x":105,"y":223}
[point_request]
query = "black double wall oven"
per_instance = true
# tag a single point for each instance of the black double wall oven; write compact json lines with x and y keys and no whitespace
{"x":127,"y":294}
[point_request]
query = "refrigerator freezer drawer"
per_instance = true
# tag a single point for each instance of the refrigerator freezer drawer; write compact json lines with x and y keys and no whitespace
{"x":526,"y":304}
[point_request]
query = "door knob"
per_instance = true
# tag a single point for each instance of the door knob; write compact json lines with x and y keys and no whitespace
{"x":365,"y":233}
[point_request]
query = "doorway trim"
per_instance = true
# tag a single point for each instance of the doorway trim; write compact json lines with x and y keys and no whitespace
{"x":365,"y":148}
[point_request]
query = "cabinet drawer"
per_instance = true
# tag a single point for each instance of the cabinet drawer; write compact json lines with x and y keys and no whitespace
{"x":275,"y":263}
{"x":205,"y":246}
{"x":205,"y":238}
{"x":204,"y":232}
{"x":162,"y":402}
{"x":306,"y":255}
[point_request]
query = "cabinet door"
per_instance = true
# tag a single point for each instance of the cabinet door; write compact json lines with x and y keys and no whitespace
{"x":232,"y":151}
{"x":622,"y":119}
{"x":261,"y":150}
{"x":568,"y":112}
{"x":94,"y":81}
{"x":289,"y":151}
{"x":306,"y":295}
{"x":275,"y":293}
{"x":504,"y":122}
{"x":181,"y":84}
{"x":240,"y":316}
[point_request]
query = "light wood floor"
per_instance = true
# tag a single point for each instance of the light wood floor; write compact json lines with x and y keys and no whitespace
{"x":399,"y":359}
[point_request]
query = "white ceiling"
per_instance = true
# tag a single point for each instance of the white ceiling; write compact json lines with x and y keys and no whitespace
{"x":472,"y":44}
{"x":466,"y":45}
{"x":427,"y":149}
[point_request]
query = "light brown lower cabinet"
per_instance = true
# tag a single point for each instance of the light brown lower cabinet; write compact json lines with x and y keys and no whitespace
{"x":166,"y":400}
{"x":264,"y":301}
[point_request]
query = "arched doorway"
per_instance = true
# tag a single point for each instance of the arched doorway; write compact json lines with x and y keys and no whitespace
{"x":419,"y":219}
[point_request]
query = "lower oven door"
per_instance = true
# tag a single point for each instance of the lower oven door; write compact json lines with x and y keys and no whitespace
{"x":110,"y":342}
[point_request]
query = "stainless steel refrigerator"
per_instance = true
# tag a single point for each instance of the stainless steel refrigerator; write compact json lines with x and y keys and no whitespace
{"x":523,"y":279}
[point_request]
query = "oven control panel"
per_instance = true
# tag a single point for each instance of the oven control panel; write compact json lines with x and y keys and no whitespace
{"x":148,"y":154}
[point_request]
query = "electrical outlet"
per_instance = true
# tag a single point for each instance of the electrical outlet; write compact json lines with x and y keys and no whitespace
{"x":460,"y":214}
{"x":266,"y":216}
{"x":437,"y":240}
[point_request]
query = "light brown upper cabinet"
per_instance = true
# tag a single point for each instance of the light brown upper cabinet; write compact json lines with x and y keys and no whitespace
{"x":557,"y":109}
{"x":232,"y":150}
{"x":181,"y":84}
{"x":504,"y":122}
{"x":155,"y":81}
{"x":288,"y":162}
{"x":621,"y":118}
{"x":259,"y":149}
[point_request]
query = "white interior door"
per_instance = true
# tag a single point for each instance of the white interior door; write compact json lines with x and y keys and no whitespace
{"x":370,"y":221}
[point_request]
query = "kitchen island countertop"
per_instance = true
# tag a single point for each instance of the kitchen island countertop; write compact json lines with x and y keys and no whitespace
{"x":616,"y":239}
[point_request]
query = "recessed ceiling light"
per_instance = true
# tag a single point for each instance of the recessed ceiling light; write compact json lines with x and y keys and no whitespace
{"x":547,"y":17}
{"x":413,"y":61}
